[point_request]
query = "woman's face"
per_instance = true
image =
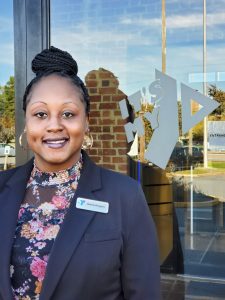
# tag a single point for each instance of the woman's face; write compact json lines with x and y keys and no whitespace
{"x":56,"y":123}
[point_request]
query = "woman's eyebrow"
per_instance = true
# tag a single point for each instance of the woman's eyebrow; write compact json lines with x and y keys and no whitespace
{"x":38,"y":102}
{"x":43,"y":102}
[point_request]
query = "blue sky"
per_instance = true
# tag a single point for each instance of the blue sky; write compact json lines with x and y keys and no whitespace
{"x":6,"y":39}
{"x":125,"y":38}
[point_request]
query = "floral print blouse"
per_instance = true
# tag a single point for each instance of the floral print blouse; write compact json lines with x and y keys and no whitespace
{"x":47,"y":199}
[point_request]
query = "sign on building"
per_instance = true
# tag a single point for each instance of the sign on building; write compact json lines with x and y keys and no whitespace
{"x":216,"y":135}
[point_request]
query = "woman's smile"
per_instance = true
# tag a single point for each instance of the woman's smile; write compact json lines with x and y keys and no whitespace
{"x":56,"y":143}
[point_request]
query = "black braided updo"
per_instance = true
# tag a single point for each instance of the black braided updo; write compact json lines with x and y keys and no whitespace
{"x":55,"y":61}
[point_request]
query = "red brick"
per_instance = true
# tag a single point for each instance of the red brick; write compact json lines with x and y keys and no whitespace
{"x":96,"y":159}
{"x":96,"y":98}
{"x":93,"y":91}
{"x":107,"y":90}
{"x":95,"y":113}
{"x":93,"y":121}
{"x":91,"y":83}
{"x":95,"y":136}
{"x":115,"y":82}
{"x":93,"y":151}
{"x":118,"y":129}
{"x":107,"y":159}
{"x":122,"y":151}
{"x":105,"y":75}
{"x":107,"y":106}
{"x":97,"y":144}
{"x":95,"y":129}
{"x":119,"y":92}
{"x":106,"y":122}
{"x":120,"y":122}
{"x":119,"y":160}
{"x":121,"y":137}
{"x":117,"y":98}
{"x":109,"y":152}
{"x":122,"y":167}
{"x":100,"y":152}
{"x":93,"y":106}
{"x":106,"y":129}
{"x":106,"y":144}
{"x":106,"y":113}
{"x":90,"y":76}
{"x":118,"y":113}
{"x":105,"y":83}
{"x":120,"y":144}
{"x":106,"y":136}
{"x":107,"y":98}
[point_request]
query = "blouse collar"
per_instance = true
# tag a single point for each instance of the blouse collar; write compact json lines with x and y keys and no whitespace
{"x":55,"y":178}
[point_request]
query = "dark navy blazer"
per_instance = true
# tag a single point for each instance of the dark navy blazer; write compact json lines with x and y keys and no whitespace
{"x":95,"y":256}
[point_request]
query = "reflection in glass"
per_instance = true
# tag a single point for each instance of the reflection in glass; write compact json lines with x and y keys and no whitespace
{"x":7,"y":98}
{"x":186,"y":200}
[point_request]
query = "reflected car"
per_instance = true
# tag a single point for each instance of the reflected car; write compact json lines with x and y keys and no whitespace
{"x":12,"y":151}
{"x":181,"y":158}
{"x":197,"y":156}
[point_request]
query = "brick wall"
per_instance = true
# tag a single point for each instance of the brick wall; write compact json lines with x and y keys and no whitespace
{"x":106,"y":124}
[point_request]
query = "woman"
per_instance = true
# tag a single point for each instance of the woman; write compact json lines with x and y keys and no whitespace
{"x":70,"y":230}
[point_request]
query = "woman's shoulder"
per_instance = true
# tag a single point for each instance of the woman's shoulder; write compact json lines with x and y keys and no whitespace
{"x":17,"y":171}
{"x":6,"y":175}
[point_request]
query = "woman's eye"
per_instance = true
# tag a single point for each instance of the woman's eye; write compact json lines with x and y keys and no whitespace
{"x":41,"y":115}
{"x":67,"y":115}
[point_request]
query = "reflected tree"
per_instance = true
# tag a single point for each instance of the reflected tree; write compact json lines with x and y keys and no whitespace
{"x":218,"y":95}
{"x":7,"y":111}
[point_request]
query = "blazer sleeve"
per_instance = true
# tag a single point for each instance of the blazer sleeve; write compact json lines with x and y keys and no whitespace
{"x":140,"y":267}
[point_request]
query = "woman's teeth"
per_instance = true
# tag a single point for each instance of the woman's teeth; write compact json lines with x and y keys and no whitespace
{"x":56,"y":143}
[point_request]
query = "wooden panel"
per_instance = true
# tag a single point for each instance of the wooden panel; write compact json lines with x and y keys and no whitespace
{"x":158,"y":194}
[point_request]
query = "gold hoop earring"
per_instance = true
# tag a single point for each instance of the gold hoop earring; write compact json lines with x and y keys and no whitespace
{"x":88,"y":141}
{"x":21,"y":140}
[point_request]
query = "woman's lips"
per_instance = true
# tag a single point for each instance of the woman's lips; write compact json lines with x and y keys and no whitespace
{"x":56,"y":144}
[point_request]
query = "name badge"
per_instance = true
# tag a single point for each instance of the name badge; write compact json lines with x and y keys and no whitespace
{"x":93,"y":205}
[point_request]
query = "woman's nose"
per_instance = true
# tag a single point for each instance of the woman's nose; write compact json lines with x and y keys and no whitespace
{"x":54,"y":124}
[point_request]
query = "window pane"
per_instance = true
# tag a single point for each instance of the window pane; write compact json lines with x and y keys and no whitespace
{"x":7,"y":101}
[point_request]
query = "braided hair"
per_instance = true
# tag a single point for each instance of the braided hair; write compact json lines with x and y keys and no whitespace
{"x":55,"y":61}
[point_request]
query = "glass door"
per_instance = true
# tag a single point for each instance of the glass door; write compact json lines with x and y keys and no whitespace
{"x":118,"y":46}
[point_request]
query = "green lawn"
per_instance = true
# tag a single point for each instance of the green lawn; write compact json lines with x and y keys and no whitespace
{"x":217,"y":164}
{"x":213,"y":167}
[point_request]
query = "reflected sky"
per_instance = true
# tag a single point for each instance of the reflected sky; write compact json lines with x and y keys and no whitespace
{"x":7,"y":43}
{"x":125,"y":37}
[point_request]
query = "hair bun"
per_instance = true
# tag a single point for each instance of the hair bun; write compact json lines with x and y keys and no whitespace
{"x":54,"y":60}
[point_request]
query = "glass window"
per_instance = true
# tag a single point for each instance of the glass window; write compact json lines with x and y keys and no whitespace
{"x":117,"y":45}
{"x":7,"y":101}
{"x":120,"y":36}
{"x":198,"y":178}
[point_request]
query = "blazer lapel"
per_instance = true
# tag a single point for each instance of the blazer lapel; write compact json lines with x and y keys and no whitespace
{"x":73,"y":228}
{"x":10,"y":200}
